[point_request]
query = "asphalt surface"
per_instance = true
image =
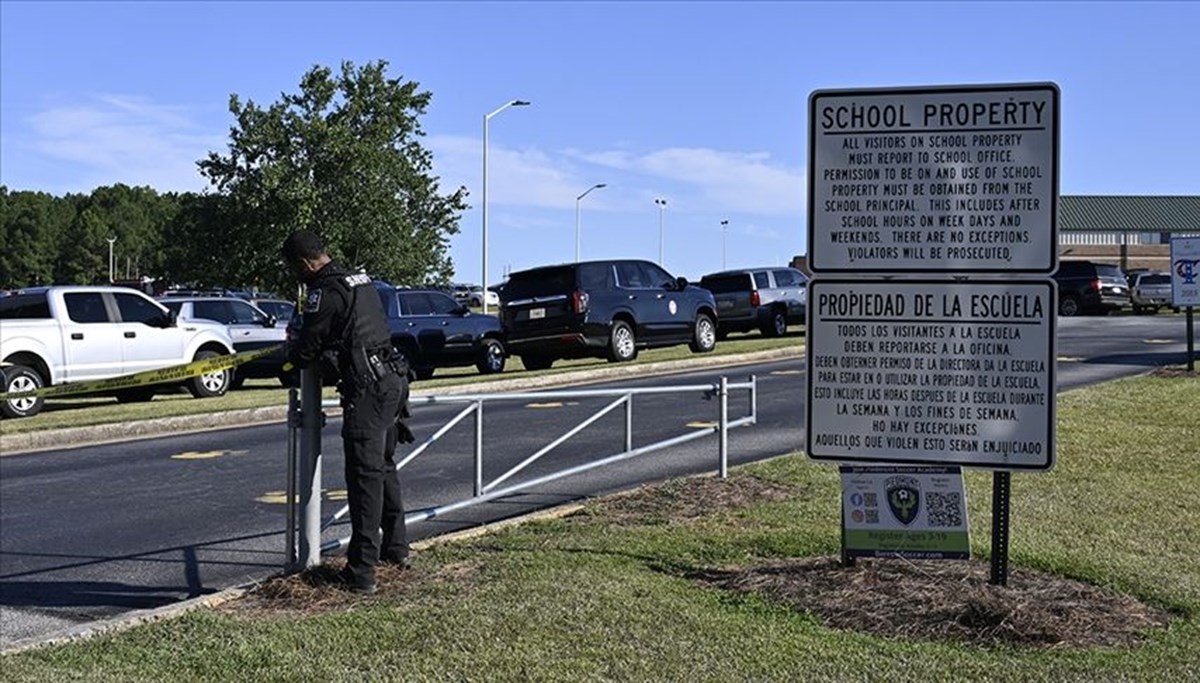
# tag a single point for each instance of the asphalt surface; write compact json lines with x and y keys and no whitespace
{"x":98,"y":531}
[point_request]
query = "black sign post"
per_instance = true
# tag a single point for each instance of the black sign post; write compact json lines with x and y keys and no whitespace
{"x":1001,"y":492}
{"x":1191,"y":341}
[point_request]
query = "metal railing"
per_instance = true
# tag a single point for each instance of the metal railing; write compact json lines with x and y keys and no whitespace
{"x":308,"y":426}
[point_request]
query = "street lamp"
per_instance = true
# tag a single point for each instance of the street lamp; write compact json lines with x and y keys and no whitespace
{"x":724,"y":230}
{"x":577,"y":200}
{"x":486,"y":118}
{"x":111,"y":239}
{"x":662,"y":204}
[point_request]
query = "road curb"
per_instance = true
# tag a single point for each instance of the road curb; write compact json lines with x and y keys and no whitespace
{"x":73,"y":437}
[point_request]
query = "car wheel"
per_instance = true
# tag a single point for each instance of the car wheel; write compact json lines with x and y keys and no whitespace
{"x":212,"y":384}
{"x":491,"y":359}
{"x":20,"y":378}
{"x":622,"y":344}
{"x":537,"y":362}
{"x":704,"y":337}
{"x":776,"y":326}
{"x":135,"y":395}
{"x":1068,"y":307}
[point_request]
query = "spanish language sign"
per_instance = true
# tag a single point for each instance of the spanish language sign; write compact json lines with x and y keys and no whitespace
{"x":960,"y":179}
{"x":915,"y":512}
{"x":940,"y":372}
{"x":1185,"y":271}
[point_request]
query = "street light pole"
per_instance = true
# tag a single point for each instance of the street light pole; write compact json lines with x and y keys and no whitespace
{"x":724,"y":230}
{"x":577,"y":201}
{"x":486,"y":118}
{"x":111,"y":239}
{"x":662,"y":204}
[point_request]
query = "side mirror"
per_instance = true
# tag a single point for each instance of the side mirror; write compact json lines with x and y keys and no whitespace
{"x":681,"y":283}
{"x":462,"y":310}
{"x":164,"y":321}
{"x":270,"y":321}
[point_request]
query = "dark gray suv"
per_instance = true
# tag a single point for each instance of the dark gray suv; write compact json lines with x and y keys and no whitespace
{"x":768,"y":299}
{"x":602,"y":309}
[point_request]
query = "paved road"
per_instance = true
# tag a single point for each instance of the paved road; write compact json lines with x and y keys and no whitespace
{"x":98,"y":531}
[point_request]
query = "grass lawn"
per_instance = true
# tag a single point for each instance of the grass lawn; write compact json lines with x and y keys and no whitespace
{"x":609,"y":592}
{"x":79,"y":412}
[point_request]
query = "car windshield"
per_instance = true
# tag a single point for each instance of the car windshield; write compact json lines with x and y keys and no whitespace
{"x":1104,"y":271}
{"x":725,"y":284}
{"x":1155,"y":280}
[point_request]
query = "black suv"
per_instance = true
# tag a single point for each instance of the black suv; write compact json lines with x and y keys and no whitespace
{"x":603,"y":309}
{"x":433,"y":330}
{"x":1088,"y":287}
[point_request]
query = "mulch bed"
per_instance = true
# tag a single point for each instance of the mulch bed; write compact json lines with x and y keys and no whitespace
{"x":947,"y":600}
{"x":682,"y":500}
{"x":1174,"y":372}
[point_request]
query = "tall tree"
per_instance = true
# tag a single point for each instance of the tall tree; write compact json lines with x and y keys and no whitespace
{"x":33,"y":227}
{"x":343,"y":158}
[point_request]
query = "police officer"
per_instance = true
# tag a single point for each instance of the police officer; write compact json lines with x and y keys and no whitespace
{"x":343,"y":314}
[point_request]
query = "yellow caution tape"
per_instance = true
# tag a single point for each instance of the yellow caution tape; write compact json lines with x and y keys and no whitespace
{"x":174,"y":373}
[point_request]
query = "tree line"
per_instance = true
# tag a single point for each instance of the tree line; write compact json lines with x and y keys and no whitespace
{"x":342,"y":156}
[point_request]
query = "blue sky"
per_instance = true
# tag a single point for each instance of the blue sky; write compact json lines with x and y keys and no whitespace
{"x":700,"y":103}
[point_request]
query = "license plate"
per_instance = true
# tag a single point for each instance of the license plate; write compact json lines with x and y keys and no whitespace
{"x":537,"y":313}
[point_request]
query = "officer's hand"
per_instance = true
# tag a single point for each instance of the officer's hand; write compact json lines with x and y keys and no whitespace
{"x":403,"y":433}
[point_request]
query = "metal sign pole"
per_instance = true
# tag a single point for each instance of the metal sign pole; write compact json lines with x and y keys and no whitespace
{"x":293,"y":424}
{"x":1191,"y":341}
{"x":1001,"y":491}
{"x":311,"y":419}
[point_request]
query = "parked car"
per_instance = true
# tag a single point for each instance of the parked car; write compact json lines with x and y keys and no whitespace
{"x":1151,"y":291}
{"x":1089,"y":287}
{"x":249,"y":327}
{"x":52,"y":335}
{"x":433,"y":331}
{"x":768,"y":299}
{"x":460,"y":291}
{"x":282,"y":310}
{"x":476,"y":297}
{"x":603,"y":309}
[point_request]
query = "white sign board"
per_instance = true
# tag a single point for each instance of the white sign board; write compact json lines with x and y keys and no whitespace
{"x":913,"y":512}
{"x":959,"y":179}
{"x":1185,"y":271}
{"x":940,"y":372}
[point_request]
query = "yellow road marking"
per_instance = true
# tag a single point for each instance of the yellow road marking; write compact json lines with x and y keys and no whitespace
{"x":1069,"y":359}
{"x":280,"y":497}
{"x":788,"y":372}
{"x":702,"y":425}
{"x":204,"y":455}
{"x":554,"y":404}
{"x":275,"y":497}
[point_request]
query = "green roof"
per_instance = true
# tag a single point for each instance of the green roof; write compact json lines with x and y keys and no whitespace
{"x":1129,"y":213}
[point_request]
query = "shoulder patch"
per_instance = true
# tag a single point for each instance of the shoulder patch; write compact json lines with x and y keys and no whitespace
{"x":313,"y":302}
{"x":357,"y":279}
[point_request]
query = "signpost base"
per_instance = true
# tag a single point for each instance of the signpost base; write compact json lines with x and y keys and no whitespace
{"x":1001,"y":491}
{"x":1191,"y":341}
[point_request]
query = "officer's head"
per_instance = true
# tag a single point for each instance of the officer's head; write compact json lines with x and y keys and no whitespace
{"x":304,"y":253}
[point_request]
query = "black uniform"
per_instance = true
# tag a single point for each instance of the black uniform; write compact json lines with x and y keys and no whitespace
{"x":343,"y":314}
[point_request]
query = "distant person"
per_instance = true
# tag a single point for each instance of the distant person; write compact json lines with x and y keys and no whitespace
{"x":342,"y":314}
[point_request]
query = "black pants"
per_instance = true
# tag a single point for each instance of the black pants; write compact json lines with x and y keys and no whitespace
{"x":372,"y":486}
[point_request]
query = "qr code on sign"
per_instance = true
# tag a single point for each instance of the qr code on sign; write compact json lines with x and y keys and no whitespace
{"x":945,"y":509}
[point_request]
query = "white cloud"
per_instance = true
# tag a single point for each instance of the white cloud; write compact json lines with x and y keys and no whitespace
{"x":121,"y":139}
{"x":693,"y":180}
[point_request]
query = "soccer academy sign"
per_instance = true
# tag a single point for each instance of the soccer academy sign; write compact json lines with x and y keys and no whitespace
{"x":912,"y":512}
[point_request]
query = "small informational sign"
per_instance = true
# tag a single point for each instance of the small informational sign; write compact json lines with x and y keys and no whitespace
{"x":911,"y":512}
{"x":926,"y":371}
{"x":1185,"y":271}
{"x":951,"y":179}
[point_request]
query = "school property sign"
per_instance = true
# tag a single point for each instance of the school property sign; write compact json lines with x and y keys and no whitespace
{"x":952,"y":179}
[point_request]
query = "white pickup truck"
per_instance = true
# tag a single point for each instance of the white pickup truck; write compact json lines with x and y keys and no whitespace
{"x":52,"y":335}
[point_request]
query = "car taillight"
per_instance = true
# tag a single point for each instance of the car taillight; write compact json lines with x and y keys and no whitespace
{"x":755,"y":299}
{"x":579,"y":301}
{"x":1096,"y":285}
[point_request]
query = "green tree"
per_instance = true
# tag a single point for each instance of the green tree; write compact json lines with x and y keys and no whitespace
{"x":343,"y":158}
{"x":33,"y":226}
